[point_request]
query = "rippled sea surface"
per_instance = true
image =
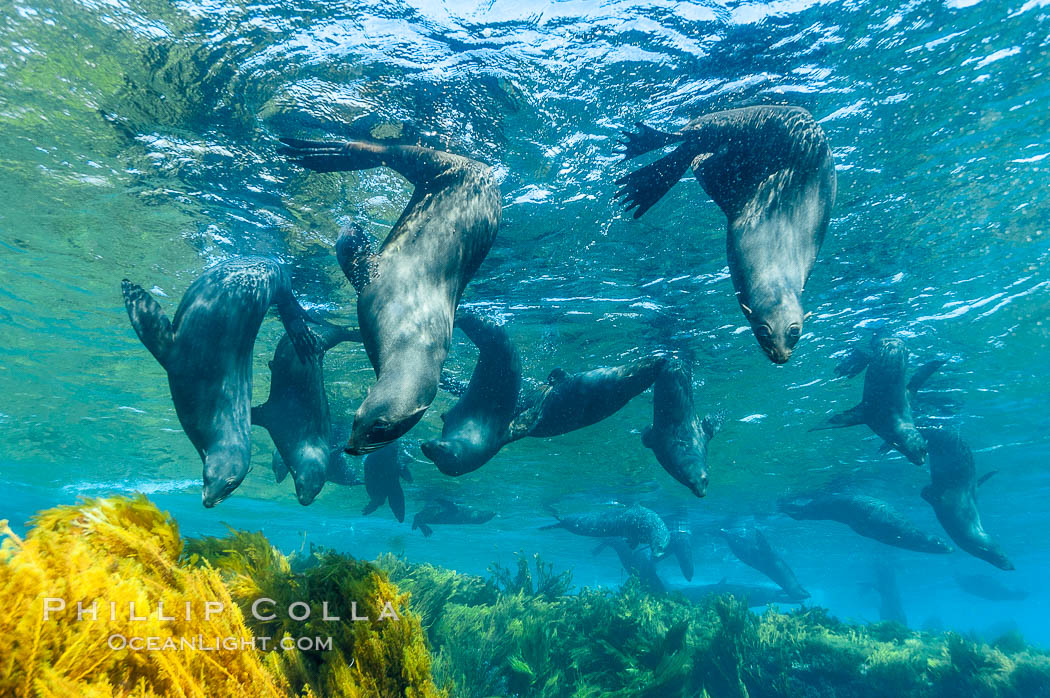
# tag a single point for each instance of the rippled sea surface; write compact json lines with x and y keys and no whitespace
{"x":138,"y":139}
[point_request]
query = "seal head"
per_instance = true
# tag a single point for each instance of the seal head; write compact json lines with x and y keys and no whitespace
{"x":777,"y":326}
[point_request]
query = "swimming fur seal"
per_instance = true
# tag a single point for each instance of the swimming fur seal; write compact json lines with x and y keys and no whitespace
{"x":570,"y":402}
{"x":952,"y":493}
{"x":751,"y":547}
{"x":891,"y":606}
{"x":886,"y":406}
{"x":385,"y":468}
{"x":408,"y":291}
{"x":635,"y":524}
{"x":682,"y":548}
{"x":207,"y":353}
{"x":752,"y":594}
{"x":985,"y":587}
{"x":338,"y":471}
{"x":867,"y":516}
{"x":678,"y":438}
{"x":445,"y":511}
{"x":478,"y":424}
{"x":770,"y":170}
{"x":296,"y":413}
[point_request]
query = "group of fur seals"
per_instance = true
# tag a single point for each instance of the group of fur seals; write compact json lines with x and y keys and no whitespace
{"x":409,"y":289}
{"x":770,"y":170}
{"x":751,"y":547}
{"x":207,"y":353}
{"x":867,"y":516}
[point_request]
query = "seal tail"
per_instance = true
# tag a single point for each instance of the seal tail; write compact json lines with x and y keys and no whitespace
{"x":644,"y":139}
{"x":645,"y":186}
{"x":150,"y":323}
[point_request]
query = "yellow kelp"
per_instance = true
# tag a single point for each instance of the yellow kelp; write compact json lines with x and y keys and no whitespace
{"x":119,"y":552}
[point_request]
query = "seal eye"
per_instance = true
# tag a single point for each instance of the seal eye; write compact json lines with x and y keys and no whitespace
{"x":763,"y":332}
{"x":794,"y":332}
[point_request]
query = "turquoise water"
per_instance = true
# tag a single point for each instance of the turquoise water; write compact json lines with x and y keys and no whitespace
{"x":138,"y":139}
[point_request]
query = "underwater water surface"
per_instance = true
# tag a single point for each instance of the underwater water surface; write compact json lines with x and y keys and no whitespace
{"x":138,"y":139}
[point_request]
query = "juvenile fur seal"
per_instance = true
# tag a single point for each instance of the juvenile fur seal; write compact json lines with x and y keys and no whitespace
{"x":570,"y":402}
{"x":770,"y":170}
{"x":886,"y":406}
{"x":867,"y":516}
{"x":384,"y":471}
{"x":207,"y":353}
{"x":635,"y":524}
{"x":478,"y":424}
{"x":952,"y":493}
{"x":751,"y":547}
{"x":296,"y":413}
{"x":444,"y":511}
{"x":678,"y":438}
{"x":409,"y":290}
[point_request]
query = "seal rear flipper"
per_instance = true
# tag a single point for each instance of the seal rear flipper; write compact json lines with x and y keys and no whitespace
{"x":644,"y":139}
{"x":307,"y":344}
{"x":849,"y":418}
{"x":355,"y":250}
{"x":150,"y":323}
{"x":396,"y":499}
{"x":645,"y":186}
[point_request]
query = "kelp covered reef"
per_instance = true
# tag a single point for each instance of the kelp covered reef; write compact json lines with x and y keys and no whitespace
{"x":521,"y":632}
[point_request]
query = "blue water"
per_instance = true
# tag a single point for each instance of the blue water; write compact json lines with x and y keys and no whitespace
{"x":138,"y":139}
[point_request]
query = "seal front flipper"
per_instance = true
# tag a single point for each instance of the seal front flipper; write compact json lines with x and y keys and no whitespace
{"x":849,"y":418}
{"x":372,"y":506}
{"x":307,"y":344}
{"x":396,"y":500}
{"x":645,"y":139}
{"x":922,"y":374}
{"x":355,"y":250}
{"x":280,"y":468}
{"x":645,"y":186}
{"x":150,"y":323}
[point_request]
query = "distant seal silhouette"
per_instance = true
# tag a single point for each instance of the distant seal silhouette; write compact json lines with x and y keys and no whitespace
{"x":408,"y":291}
{"x":678,"y":438}
{"x":985,"y":587}
{"x":886,"y":405}
{"x":770,"y":170}
{"x":296,"y":413}
{"x":753,"y":595}
{"x":891,"y":606}
{"x":445,"y":511}
{"x":867,"y":516}
{"x":207,"y":353}
{"x":952,"y":493}
{"x":635,"y":561}
{"x":384,"y":470}
{"x":478,"y":425}
{"x":570,"y":402}
{"x":751,"y":547}
{"x":682,"y":548}
{"x":635,"y":524}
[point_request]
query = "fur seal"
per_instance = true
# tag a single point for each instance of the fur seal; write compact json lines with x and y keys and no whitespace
{"x":477,"y":426}
{"x":635,"y":561}
{"x":952,"y":493}
{"x":678,"y":438}
{"x":682,"y":548}
{"x":570,"y":402}
{"x":384,"y":470}
{"x":337,"y":472}
{"x":296,"y":413}
{"x":207,"y":353}
{"x":408,"y":291}
{"x":891,"y":606}
{"x":751,"y":547}
{"x":886,"y":406}
{"x":770,"y":170}
{"x":635,"y":524}
{"x":985,"y":587}
{"x":444,"y":511}
{"x":867,"y":516}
